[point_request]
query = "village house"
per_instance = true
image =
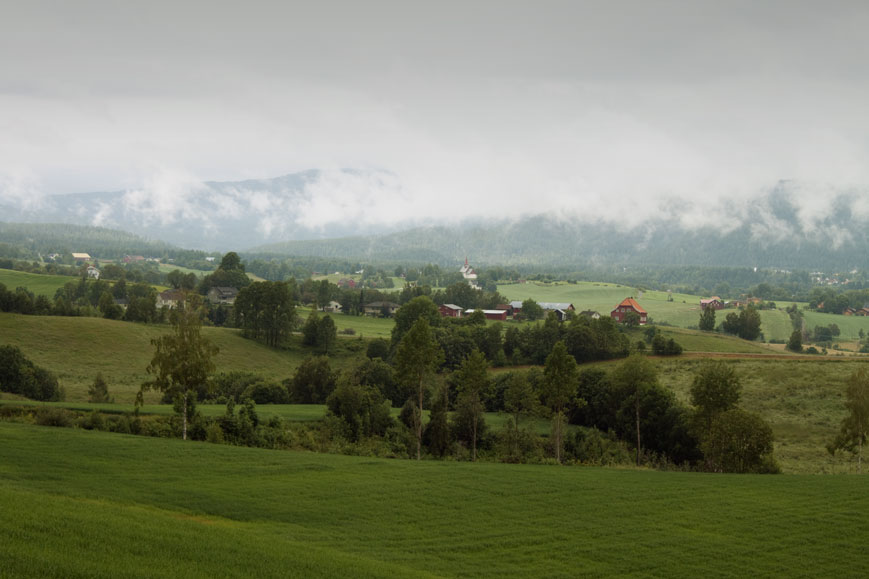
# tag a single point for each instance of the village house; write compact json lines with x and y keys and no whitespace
{"x":93,"y":272}
{"x":332,"y":307}
{"x":385,"y":309}
{"x":81,"y":256}
{"x":714,"y":302}
{"x":170,"y":298}
{"x":623,"y":309}
{"x":347,"y":283}
{"x":450,"y":311}
{"x":590,"y":314}
{"x":222,"y":295}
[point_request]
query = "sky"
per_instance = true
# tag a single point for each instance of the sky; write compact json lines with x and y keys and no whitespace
{"x":454,"y":109}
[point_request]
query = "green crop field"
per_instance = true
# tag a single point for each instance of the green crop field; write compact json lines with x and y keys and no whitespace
{"x":76,"y":349}
{"x":92,"y":504}
{"x":39,"y":284}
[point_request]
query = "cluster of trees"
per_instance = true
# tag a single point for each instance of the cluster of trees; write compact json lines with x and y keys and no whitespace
{"x":265,"y":311}
{"x":745,"y":324}
{"x":19,"y":375}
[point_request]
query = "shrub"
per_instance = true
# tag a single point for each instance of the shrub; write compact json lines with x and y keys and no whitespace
{"x":47,"y":416}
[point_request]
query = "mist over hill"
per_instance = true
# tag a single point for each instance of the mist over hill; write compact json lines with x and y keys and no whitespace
{"x":345,"y":214}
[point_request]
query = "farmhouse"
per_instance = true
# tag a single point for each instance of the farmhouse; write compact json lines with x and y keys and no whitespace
{"x":222,"y":295}
{"x":332,"y":307}
{"x":347,"y":282}
{"x":590,"y":314}
{"x":170,"y":298}
{"x":714,"y":302}
{"x":81,"y":256}
{"x":500,"y":315}
{"x":623,"y":309}
{"x":93,"y":272}
{"x":385,"y":309}
{"x":450,"y":311}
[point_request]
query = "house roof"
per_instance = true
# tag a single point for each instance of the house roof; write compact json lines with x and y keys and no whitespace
{"x":81,"y":255}
{"x":224,"y":291}
{"x":492,"y":312}
{"x":382,"y":304}
{"x":631,"y":303}
{"x":452,"y":306}
{"x":556,"y":305}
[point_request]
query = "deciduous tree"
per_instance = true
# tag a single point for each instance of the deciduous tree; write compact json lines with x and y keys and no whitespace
{"x":418,"y":356}
{"x":855,"y":426}
{"x":560,"y":377}
{"x":182,"y":360}
{"x":472,"y":383}
{"x":707,"y":319}
{"x":634,"y":377}
{"x":716,"y":388}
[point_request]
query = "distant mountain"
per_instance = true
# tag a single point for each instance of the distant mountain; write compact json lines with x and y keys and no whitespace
{"x":211,"y":215}
{"x":44,"y":238}
{"x":769,"y":234}
{"x":283,"y":216}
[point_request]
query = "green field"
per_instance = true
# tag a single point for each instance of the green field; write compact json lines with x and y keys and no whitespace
{"x":76,"y":349}
{"x":39,"y":284}
{"x":92,"y":504}
{"x":683,"y":311}
{"x":363,"y":326}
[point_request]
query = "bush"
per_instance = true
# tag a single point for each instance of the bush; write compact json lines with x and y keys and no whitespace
{"x":47,"y":416}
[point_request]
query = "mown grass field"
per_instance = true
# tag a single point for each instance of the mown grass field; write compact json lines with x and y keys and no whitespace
{"x":363,"y":326}
{"x":76,"y":349}
{"x":39,"y":284}
{"x":92,"y":504}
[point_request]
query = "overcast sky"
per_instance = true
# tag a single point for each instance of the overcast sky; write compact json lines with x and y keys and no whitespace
{"x":468,"y":107}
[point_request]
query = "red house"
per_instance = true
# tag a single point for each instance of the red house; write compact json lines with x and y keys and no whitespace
{"x":628,"y":305}
{"x":450,"y":311}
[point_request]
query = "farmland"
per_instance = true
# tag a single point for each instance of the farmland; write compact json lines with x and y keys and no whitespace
{"x":96,"y":504}
{"x":39,"y":284}
{"x":683,"y":311}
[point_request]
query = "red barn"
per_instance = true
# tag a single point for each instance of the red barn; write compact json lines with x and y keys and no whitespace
{"x":450,"y":311}
{"x":628,"y":305}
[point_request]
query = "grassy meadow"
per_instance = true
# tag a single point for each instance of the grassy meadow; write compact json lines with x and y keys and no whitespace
{"x":39,"y":284}
{"x":91,"y":504}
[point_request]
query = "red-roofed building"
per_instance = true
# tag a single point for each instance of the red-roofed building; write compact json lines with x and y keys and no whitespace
{"x":629,"y":305}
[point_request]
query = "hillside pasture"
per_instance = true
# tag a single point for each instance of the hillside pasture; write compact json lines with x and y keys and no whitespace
{"x":683,"y":310}
{"x":849,"y":326}
{"x":85,"y":503}
{"x":801,"y":398}
{"x":39,"y":284}
{"x":76,"y":349}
